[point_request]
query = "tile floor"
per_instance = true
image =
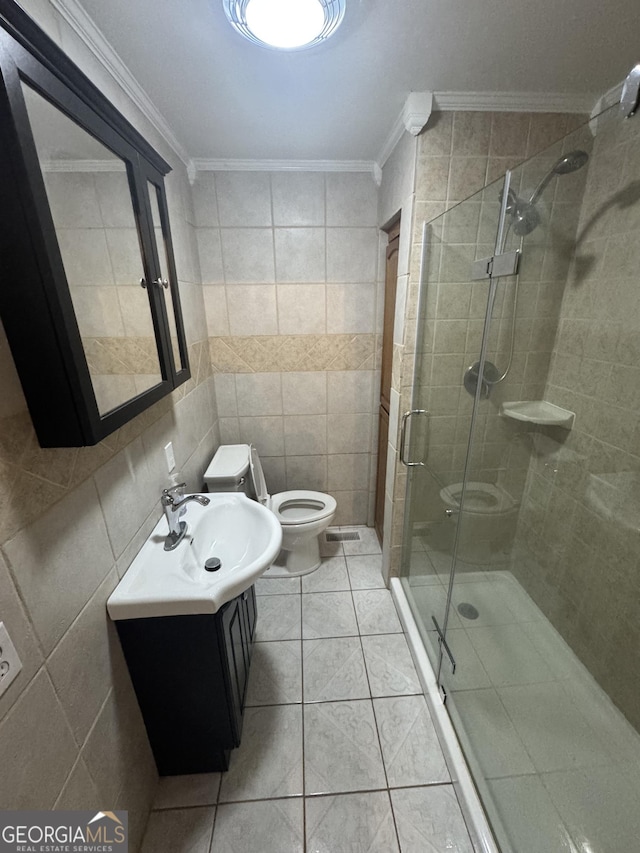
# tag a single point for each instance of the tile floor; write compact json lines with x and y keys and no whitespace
{"x":338,"y":754}
{"x":557,"y":765}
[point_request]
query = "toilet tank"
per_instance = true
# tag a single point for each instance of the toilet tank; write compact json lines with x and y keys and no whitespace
{"x":228,"y":471}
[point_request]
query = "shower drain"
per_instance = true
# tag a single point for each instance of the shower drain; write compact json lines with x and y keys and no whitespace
{"x":468,"y":610}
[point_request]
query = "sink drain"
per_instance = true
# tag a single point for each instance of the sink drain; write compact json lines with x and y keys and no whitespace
{"x":212,"y":564}
{"x":468,"y":610}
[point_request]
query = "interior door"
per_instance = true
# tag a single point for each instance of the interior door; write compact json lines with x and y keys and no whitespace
{"x":390,"y":284}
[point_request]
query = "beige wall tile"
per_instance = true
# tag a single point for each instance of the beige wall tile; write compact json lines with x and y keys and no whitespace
{"x":204,"y":200}
{"x":304,"y":393}
{"x":349,"y":433}
{"x":348,"y":471}
{"x":301,"y":309}
{"x":59,"y":561}
{"x":350,"y":391}
{"x":298,"y":198}
{"x":35,"y":728}
{"x":252,"y":309}
{"x":244,"y":198}
{"x":79,"y":792}
{"x":300,"y":254}
{"x":82,"y":689}
{"x":352,"y":199}
{"x":21,"y":632}
{"x":274,"y":473}
{"x":305,"y":435}
{"x":86,"y":257}
{"x":247,"y":255}
{"x":351,"y":254}
{"x":351,"y":308}
{"x":267,"y":434}
{"x":307,"y":472}
{"x":215,"y":303}
{"x":259,"y":394}
{"x":210,"y":255}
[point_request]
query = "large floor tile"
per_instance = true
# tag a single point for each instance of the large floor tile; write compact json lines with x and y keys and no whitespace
{"x":331,"y":576}
{"x":199,"y":789}
{"x":482,"y":720}
{"x":365,"y":571}
{"x":328,"y":614}
{"x":341,"y":749}
{"x":278,"y":617}
{"x":368,"y":543}
{"x":508,"y":655}
{"x":554,"y":732}
{"x":429,"y":820}
{"x":389,"y":665}
{"x":358,"y":823}
{"x":268,"y":762}
{"x":179,"y":831}
{"x":277,"y":586}
{"x":410,"y":747}
{"x":376,"y":612}
{"x":599,"y":807}
{"x":527,"y":820}
{"x":272,"y":826}
{"x":334,"y":669}
{"x":276,"y":673}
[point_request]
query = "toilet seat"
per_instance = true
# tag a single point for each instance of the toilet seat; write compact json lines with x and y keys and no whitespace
{"x":295,"y":507}
{"x":300,"y":506}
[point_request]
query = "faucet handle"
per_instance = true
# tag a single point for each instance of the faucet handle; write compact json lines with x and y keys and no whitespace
{"x":168,"y":495}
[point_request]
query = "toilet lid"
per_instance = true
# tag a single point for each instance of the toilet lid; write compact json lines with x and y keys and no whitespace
{"x":257,"y":476}
{"x":300,"y":506}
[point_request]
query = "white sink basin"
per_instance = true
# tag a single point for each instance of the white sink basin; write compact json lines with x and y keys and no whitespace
{"x":244,"y":535}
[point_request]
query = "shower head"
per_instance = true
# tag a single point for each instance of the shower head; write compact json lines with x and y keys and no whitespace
{"x":525,"y":216}
{"x":567,"y":164}
{"x":571,"y":162}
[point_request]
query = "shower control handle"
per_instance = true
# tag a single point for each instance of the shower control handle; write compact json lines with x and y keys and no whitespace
{"x":403,"y":437}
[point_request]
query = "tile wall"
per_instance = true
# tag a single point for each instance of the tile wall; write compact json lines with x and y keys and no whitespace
{"x":71,"y":520}
{"x":578,"y":545}
{"x":458,"y":154}
{"x":290,"y":270}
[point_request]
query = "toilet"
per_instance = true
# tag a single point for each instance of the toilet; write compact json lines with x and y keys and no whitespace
{"x":303,"y":514}
{"x":490,"y":517}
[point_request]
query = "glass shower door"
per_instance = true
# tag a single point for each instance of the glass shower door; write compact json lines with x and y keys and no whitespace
{"x":450,"y":324}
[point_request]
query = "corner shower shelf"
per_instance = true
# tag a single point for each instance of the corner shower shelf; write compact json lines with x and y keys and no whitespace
{"x":538,"y":412}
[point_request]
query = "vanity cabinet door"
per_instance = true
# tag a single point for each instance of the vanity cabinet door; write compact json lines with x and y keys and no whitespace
{"x":235,"y":641}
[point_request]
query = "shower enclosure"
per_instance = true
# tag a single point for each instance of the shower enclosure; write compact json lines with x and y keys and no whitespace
{"x":521,"y":554}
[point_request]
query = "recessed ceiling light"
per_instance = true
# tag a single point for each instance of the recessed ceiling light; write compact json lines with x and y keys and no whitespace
{"x":285,"y":24}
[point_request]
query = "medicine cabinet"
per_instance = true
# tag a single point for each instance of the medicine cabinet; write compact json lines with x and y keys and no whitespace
{"x":89,"y":293}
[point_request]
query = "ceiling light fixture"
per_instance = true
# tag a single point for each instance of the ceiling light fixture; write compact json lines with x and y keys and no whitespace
{"x":285,"y":24}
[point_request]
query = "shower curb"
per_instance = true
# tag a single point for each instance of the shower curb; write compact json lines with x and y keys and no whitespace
{"x":474,"y":815}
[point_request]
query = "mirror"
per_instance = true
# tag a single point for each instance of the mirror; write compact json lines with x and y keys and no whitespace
{"x":87,"y":188}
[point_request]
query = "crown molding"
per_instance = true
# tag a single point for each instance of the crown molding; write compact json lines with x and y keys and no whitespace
{"x":223,"y":165}
{"x":521,"y":102}
{"x":86,"y":30}
{"x":395,"y":135}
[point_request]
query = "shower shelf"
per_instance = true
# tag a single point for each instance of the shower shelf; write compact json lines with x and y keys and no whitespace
{"x":538,"y":412}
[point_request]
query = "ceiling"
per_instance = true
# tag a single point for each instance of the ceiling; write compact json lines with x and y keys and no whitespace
{"x":225,"y":97}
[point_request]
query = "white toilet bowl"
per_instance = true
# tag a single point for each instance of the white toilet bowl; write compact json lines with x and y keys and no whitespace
{"x":303,"y":514}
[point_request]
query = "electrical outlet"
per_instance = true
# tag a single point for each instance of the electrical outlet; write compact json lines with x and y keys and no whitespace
{"x":170,"y":456}
{"x":10,"y":664}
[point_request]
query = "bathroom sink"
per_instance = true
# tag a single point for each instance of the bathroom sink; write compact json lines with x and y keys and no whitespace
{"x":241,"y":533}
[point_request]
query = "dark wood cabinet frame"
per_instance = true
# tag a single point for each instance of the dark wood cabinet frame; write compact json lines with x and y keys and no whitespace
{"x":35,"y":301}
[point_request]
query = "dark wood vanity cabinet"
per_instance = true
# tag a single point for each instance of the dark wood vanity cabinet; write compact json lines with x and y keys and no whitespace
{"x":190,"y":675}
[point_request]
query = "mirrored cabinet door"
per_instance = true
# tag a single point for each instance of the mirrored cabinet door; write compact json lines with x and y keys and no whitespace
{"x":87,"y":188}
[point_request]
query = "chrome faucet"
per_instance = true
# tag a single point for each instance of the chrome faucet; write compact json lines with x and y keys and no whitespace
{"x":171,"y":508}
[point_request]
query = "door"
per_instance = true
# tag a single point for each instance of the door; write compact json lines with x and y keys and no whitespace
{"x":390,"y":283}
